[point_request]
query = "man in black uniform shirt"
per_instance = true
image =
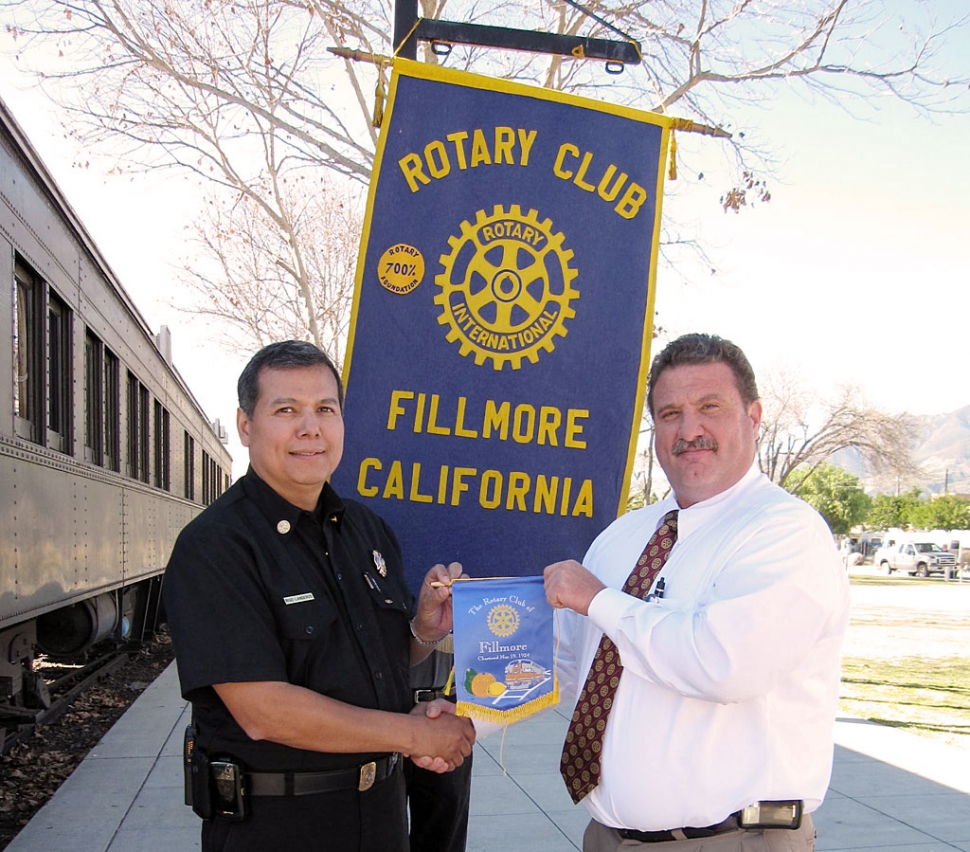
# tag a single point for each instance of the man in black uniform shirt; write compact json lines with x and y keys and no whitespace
{"x":294,"y":632}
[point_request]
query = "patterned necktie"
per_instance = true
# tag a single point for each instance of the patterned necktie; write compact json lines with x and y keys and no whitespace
{"x":580,"y":764}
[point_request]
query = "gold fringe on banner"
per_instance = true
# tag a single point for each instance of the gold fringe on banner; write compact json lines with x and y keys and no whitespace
{"x":516,"y":714}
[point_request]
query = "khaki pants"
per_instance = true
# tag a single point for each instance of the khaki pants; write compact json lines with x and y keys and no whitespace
{"x":599,"y":838}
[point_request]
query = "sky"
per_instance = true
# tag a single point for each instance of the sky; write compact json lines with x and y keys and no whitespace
{"x":857,"y":271}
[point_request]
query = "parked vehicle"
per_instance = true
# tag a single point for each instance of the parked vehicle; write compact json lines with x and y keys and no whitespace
{"x":920,"y":558}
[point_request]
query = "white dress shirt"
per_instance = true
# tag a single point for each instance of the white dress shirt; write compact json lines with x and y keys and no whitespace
{"x":731,"y":680}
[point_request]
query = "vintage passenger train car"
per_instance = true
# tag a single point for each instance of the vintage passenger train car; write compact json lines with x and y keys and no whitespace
{"x":104,"y":452}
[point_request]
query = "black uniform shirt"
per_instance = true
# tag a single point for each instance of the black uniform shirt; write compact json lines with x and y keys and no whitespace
{"x":258,"y":589}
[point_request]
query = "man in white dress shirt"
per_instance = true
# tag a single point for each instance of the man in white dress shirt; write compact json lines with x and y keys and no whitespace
{"x":719,"y":731}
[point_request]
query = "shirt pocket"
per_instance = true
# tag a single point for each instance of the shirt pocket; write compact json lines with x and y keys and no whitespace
{"x":303,"y":629}
{"x":304,"y":621}
{"x":387,"y":594}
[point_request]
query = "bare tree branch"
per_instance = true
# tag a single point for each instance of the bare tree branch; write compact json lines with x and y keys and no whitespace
{"x":800,"y":430}
{"x":244,"y":95}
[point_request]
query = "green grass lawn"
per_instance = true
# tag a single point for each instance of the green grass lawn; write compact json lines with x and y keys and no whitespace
{"x":927,"y":697}
{"x":915,"y":673}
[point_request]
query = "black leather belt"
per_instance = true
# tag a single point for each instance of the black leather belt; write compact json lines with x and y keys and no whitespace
{"x":761,"y":815}
{"x":306,"y":783}
{"x":686,"y":833}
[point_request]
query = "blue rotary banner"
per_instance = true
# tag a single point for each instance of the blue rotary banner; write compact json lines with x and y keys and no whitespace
{"x":502,"y":317}
{"x":504,"y":656}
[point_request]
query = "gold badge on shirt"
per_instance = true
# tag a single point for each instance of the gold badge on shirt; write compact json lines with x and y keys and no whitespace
{"x":379,"y":563}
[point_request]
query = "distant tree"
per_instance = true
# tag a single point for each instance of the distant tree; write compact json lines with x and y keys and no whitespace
{"x":894,"y":511}
{"x":947,"y":512}
{"x":801,"y":430}
{"x":267,"y":277}
{"x":835,"y":494}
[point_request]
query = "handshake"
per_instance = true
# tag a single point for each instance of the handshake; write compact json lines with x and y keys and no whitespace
{"x":442,"y":740}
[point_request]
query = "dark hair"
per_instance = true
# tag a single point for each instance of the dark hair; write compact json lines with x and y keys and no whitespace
{"x":287,"y":355}
{"x":704,"y":349}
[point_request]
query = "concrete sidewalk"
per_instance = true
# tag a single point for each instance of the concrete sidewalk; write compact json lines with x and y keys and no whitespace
{"x":890,"y":790}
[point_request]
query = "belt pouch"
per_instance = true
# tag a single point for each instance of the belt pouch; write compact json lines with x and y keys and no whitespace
{"x":201,"y":788}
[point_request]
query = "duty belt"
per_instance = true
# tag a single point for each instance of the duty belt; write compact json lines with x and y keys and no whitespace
{"x":306,"y":783}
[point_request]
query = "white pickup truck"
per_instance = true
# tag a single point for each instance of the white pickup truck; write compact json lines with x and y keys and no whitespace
{"x":916,"y":557}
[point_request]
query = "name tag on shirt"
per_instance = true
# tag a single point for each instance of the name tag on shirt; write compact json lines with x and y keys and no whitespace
{"x":292,"y":599}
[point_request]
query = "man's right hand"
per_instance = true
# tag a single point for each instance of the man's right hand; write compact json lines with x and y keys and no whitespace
{"x":442,"y":740}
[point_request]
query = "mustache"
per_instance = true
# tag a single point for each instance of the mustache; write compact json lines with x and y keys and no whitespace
{"x":682,"y":446}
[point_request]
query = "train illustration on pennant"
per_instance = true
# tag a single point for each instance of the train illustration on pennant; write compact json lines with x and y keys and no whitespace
{"x":105,"y":454}
{"x":520,"y":677}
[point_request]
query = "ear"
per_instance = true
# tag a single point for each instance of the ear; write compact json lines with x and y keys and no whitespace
{"x":754,"y":412}
{"x":242,"y":426}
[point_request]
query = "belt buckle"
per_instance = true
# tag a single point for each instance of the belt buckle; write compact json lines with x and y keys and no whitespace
{"x":422,"y":695}
{"x":368,"y":775}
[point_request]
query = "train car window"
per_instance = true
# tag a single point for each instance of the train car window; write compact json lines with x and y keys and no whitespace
{"x":144,"y":407}
{"x":189,"y":467}
{"x":206,"y":479}
{"x":112,"y":411}
{"x":93,"y":399}
{"x":138,"y":425}
{"x":60,"y":376}
{"x":132,"y":408}
{"x":161,"y":432}
{"x":28,"y":351}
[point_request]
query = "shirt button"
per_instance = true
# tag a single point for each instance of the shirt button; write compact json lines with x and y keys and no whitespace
{"x":378,"y":675}
{"x":308,"y":630}
{"x":340,"y":576}
{"x":360,"y":626}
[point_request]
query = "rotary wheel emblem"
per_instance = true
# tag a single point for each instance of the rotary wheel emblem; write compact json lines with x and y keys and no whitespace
{"x":506,"y":289}
{"x":503,"y":620}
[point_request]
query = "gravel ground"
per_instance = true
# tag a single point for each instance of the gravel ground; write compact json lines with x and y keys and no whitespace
{"x":31,"y":773}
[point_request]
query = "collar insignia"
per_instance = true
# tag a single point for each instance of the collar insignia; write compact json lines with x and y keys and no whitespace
{"x":283,"y":527}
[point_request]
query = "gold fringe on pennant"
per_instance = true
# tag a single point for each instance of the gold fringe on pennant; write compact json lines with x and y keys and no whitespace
{"x":672,"y":170}
{"x":516,"y":714}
